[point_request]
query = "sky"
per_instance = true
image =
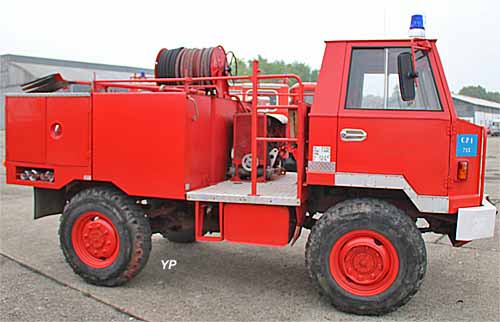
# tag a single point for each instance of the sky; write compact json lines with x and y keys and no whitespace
{"x":132,"y":32}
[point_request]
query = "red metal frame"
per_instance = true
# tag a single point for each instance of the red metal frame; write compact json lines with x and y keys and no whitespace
{"x":241,"y":130}
{"x":199,"y":220}
{"x":300,"y":126}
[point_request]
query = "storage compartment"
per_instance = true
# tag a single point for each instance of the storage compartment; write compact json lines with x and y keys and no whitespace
{"x":48,"y":139}
{"x":67,"y":130}
{"x":25,"y":124}
{"x":160,"y":144}
{"x":257,"y":224}
{"x":52,"y":130}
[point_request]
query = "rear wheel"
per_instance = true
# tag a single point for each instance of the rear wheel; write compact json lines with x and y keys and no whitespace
{"x":366,"y":256}
{"x":104,"y":236}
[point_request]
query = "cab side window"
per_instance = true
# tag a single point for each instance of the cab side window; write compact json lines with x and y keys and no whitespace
{"x":374,"y":81}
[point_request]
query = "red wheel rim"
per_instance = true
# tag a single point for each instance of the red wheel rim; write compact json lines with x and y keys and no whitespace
{"x":364,"y":262}
{"x":95,"y":239}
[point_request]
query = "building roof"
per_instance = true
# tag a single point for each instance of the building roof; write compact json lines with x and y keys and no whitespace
{"x":476,"y":101}
{"x":71,"y":63}
{"x":17,"y":70}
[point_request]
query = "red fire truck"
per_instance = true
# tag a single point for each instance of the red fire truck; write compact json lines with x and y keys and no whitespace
{"x":380,"y":147}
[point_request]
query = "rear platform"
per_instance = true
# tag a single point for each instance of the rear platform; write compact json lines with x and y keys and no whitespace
{"x":282,"y":191}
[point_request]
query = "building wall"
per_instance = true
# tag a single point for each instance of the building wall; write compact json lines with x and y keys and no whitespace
{"x":477,"y":114}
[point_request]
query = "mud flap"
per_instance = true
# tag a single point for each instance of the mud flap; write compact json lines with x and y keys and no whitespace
{"x":48,"y":202}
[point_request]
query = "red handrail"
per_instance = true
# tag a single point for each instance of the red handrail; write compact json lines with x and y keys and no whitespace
{"x":300,"y":126}
{"x":255,"y":80}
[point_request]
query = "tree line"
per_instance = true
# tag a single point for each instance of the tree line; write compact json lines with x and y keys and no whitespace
{"x":305,"y":72}
{"x":480,"y":92}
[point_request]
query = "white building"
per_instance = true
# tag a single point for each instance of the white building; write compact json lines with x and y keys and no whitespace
{"x":476,"y":110}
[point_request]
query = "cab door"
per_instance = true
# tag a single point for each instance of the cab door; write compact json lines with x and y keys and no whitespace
{"x":385,"y":142}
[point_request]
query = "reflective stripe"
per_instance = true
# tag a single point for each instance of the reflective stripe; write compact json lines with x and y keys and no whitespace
{"x":424,"y":203}
{"x":318,"y":166}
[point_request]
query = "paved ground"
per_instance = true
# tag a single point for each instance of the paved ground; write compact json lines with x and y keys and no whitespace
{"x":223,"y":281}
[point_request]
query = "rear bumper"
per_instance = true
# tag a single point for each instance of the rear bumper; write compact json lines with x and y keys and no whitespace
{"x":476,"y":222}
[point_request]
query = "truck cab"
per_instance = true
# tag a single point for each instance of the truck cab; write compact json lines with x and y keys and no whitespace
{"x":364,"y":134}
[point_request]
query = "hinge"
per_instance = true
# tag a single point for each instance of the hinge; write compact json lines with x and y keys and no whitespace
{"x":451,"y":131}
{"x":448,"y":182}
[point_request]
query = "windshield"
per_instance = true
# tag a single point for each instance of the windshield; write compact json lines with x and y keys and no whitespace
{"x":374,"y":81}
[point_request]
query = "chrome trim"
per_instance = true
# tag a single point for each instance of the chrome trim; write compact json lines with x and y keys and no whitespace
{"x":319,"y":166}
{"x":424,"y":203}
{"x":352,"y":135}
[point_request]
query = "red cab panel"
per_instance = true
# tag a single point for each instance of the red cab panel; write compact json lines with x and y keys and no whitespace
{"x":413,"y":144}
{"x":469,"y":146}
{"x":324,"y":115}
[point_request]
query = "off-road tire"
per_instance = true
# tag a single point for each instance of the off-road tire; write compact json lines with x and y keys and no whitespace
{"x":382,"y":218}
{"x":132,"y":227}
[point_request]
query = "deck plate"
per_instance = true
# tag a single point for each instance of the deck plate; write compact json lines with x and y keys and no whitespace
{"x":282,"y":190}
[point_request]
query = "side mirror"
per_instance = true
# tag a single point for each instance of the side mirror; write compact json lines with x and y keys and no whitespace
{"x":407,"y":76}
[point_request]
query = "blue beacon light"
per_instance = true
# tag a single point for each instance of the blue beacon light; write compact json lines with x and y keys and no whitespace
{"x":417,"y":28}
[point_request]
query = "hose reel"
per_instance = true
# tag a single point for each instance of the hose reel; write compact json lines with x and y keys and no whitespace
{"x":192,"y":62}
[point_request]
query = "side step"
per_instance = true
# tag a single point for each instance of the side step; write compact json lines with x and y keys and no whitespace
{"x":199,"y":215}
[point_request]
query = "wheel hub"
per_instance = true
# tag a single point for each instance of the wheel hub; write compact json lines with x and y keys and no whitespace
{"x":364,"y":262}
{"x":99,"y":238}
{"x":95,"y":239}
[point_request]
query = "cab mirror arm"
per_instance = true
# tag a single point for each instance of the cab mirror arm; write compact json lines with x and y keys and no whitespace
{"x":407,"y":76}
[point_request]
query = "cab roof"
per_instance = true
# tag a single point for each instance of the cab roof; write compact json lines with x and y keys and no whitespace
{"x":379,"y":40}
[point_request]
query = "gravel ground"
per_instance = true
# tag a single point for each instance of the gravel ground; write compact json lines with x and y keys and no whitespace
{"x":30,"y":296}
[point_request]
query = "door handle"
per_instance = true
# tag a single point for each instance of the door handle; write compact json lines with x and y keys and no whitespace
{"x":349,"y":135}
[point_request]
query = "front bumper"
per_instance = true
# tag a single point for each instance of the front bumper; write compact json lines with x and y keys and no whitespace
{"x":476,"y":222}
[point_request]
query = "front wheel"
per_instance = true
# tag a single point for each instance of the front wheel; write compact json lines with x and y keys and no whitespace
{"x":366,"y":256}
{"x":104,"y":236}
